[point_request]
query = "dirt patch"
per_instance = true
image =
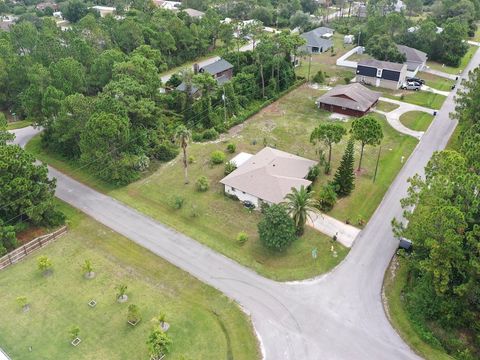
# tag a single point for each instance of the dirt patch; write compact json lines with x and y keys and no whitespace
{"x":29,"y":234}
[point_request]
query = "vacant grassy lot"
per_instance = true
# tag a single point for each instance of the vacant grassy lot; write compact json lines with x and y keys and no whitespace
{"x":215,"y":220}
{"x":416,"y":120}
{"x":436,"y":82}
{"x":386,"y":106}
{"x":454,"y":70}
{"x":204,"y":323}
{"x":395,"y":282}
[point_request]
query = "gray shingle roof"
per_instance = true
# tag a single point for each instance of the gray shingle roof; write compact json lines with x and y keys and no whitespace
{"x":351,"y":96}
{"x":193,"y":12}
{"x":314,"y":37}
{"x":381,"y":64}
{"x":270,"y":175}
{"x":412,"y":55}
{"x":217,"y":67}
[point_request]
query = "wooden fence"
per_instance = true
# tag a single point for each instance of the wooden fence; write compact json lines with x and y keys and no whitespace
{"x":37,"y":243}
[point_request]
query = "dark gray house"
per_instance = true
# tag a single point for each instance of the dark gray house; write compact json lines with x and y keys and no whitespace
{"x":318,"y":40}
{"x":221,"y":70}
{"x":381,"y":73}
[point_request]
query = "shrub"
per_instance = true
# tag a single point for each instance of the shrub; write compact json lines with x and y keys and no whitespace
{"x":191,"y":159}
{"x":327,"y":198}
{"x":121,"y":290}
{"x":313,"y":173}
{"x":276,"y":228}
{"x":230,"y":167}
{"x":22,"y":301}
{"x":133,"y":314}
{"x":194,"y":211}
{"x":217,"y":157}
{"x":74,"y":332}
{"x":196,"y":137}
{"x":44,"y":264}
{"x":210,"y":134}
{"x":202,"y":184}
{"x":242,"y":238}
{"x":231,"y":148}
{"x":165,"y":151}
{"x":319,"y":77}
{"x":347,"y":79}
{"x":177,"y":202}
{"x":87,"y":267}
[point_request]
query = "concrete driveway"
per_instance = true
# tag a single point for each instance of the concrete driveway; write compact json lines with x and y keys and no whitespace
{"x":393,"y":117}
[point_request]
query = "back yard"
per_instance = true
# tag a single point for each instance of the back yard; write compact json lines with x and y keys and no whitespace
{"x":204,"y":323}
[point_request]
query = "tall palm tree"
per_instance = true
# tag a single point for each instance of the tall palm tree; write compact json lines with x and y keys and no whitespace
{"x":299,"y":204}
{"x":182,"y":138}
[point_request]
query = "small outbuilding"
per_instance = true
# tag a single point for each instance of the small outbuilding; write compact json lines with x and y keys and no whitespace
{"x":352,"y":99}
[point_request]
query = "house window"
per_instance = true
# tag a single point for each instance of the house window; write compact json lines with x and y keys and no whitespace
{"x":379,"y":72}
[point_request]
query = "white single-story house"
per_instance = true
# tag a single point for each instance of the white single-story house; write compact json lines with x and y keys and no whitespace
{"x":267,"y":177}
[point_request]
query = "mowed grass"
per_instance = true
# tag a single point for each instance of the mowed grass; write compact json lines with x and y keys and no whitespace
{"x":422,"y":98}
{"x":454,"y":70}
{"x":204,"y":323}
{"x":416,"y":120}
{"x":394,"y":284}
{"x":18,"y":124}
{"x":386,"y":106}
{"x":436,"y":82}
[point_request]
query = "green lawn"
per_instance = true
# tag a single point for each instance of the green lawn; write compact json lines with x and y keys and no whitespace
{"x":421,"y":98}
{"x":416,"y":120}
{"x":18,"y":124}
{"x":436,"y":82}
{"x":386,"y":106}
{"x":215,"y":220}
{"x":395,"y":282}
{"x":204,"y":323}
{"x":454,"y":70}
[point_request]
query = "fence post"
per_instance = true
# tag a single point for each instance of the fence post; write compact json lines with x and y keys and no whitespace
{"x":10,"y":259}
{"x":25,"y":250}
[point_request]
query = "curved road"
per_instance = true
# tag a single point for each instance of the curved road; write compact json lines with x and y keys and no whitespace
{"x":336,"y":316}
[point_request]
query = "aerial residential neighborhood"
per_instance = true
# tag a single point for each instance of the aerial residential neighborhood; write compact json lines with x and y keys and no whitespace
{"x":205,"y":179}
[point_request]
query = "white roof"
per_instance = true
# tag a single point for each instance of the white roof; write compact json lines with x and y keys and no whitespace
{"x":241,"y":158}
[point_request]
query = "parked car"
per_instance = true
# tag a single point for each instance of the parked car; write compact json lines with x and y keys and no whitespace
{"x":415,"y":79}
{"x":249,"y":204}
{"x":405,"y":244}
{"x":410,"y":85}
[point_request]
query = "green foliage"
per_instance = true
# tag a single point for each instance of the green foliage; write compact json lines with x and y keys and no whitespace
{"x":74,"y":332}
{"x":344,"y":179}
{"x":327,"y":198}
{"x":229,"y":167}
{"x":231,"y":148}
{"x":313,"y":173}
{"x":4,"y":134}
{"x":242,"y":238}
{"x":368,"y":131}
{"x":44,"y":264}
{"x":209,"y":134}
{"x":217,"y":157}
{"x":202,"y":184}
{"x":159,"y":343}
{"x":87,"y":266}
{"x":299,"y":205}
{"x":22,"y":301}
{"x":328,"y":134}
{"x":133,"y":313}
{"x":276,"y":229}
{"x":382,"y":47}
{"x":8,"y":239}
{"x":121,"y":290}
{"x":319,"y":77}
{"x":177,"y":202}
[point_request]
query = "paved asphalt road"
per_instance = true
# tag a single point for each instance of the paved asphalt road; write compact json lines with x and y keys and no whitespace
{"x":336,"y":316}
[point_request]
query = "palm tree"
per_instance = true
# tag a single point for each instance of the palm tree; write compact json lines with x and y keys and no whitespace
{"x":182,"y":137}
{"x":299,"y":204}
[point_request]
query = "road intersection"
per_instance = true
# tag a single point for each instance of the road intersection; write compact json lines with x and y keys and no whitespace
{"x":339,"y":315}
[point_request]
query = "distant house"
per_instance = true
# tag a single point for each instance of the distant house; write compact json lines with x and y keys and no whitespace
{"x":194,"y":13}
{"x":43,"y":5}
{"x":416,"y":59}
{"x":168,"y":5}
{"x":104,"y":10}
{"x":7,"y":21}
{"x":352,"y":99}
{"x":318,"y":40}
{"x":348,"y":39}
{"x":381,"y":73}
{"x":221,"y":70}
{"x":267,"y":177}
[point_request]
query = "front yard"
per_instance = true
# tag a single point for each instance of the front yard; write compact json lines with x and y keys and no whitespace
{"x":416,"y":120}
{"x":454,"y":70}
{"x":204,"y":323}
{"x":436,"y":82}
{"x":421,"y":98}
{"x":216,"y":220}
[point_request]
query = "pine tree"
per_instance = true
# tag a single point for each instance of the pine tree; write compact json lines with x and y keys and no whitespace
{"x":345,"y":177}
{"x":231,"y":100}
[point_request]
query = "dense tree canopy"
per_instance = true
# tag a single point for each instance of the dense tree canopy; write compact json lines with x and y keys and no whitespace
{"x":276,"y":228}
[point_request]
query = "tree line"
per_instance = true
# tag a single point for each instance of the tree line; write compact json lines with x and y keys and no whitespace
{"x":442,"y":294}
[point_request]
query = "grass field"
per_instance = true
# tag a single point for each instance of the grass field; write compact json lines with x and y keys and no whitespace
{"x":416,"y":120}
{"x":394,"y":283}
{"x":454,"y":70}
{"x":436,"y":82}
{"x":204,"y":323}
{"x":386,"y":106}
{"x":215,"y":220}
{"x":421,"y":98}
{"x":18,"y":124}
